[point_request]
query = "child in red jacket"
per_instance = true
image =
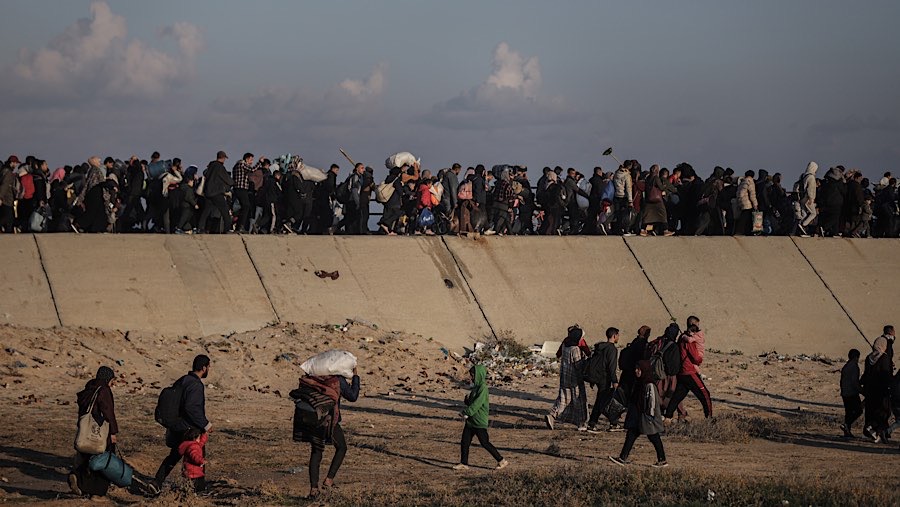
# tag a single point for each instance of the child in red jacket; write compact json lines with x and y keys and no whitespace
{"x":194,"y":459}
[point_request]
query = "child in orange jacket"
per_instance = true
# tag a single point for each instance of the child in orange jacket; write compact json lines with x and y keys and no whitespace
{"x":194,"y":459}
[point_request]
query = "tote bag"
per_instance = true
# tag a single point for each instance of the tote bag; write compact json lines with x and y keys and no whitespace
{"x":90,"y":438}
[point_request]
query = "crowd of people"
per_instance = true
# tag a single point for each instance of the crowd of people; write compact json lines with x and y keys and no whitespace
{"x":263,"y":196}
{"x":647,"y":382}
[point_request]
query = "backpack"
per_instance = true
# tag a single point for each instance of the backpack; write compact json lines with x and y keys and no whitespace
{"x":595,"y":370}
{"x":663,"y":362}
{"x":168,"y":406}
{"x":313,"y":412}
{"x":342,"y":192}
{"x":465,"y":191}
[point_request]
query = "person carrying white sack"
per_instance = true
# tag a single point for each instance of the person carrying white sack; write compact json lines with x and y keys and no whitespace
{"x":322,"y":387}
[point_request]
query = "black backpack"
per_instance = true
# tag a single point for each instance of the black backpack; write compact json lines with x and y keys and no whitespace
{"x":168,"y":406}
{"x":342,"y":192}
{"x":595,"y":369}
{"x":671,"y":358}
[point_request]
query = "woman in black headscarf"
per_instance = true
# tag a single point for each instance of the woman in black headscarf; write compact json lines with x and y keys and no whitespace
{"x":98,"y":398}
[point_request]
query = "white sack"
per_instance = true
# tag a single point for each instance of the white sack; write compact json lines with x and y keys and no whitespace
{"x":332,"y":362}
{"x":310,"y":173}
{"x":401,"y":159}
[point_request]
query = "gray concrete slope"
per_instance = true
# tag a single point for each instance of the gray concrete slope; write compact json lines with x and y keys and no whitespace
{"x":397,"y":283}
{"x":864,"y":274}
{"x":538,"y":286}
{"x":168,"y":285}
{"x":25,"y":298}
{"x":751,"y":294}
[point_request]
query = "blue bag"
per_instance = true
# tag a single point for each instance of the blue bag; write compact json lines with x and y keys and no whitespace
{"x":113,"y":468}
{"x":426,"y":218}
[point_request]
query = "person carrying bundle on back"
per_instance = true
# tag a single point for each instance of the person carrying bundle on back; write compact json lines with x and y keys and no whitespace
{"x":317,"y":419}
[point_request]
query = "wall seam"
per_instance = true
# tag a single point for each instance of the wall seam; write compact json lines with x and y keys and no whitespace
{"x":261,"y":282}
{"x":828,"y":288}
{"x":47,"y":277}
{"x":469,"y":286}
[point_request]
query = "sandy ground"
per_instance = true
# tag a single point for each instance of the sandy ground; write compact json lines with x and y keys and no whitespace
{"x":405,"y":424}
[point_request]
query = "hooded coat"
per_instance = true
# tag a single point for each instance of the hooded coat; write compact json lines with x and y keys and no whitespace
{"x":747,"y":194}
{"x":477,"y":405}
{"x":807,"y":183}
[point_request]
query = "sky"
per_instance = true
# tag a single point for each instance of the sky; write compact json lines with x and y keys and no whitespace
{"x":749,"y":85}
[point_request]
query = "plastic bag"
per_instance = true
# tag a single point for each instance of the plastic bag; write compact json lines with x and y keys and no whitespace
{"x":401,"y":159}
{"x":310,"y":173}
{"x":426,"y":218}
{"x":585,"y":186}
{"x":332,"y":362}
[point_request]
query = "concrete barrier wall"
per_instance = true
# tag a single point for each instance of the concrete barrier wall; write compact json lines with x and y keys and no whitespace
{"x":25,"y":297}
{"x":863,"y":274}
{"x":396,"y":283}
{"x":537,"y":287}
{"x":163,"y":284}
{"x":752,"y":294}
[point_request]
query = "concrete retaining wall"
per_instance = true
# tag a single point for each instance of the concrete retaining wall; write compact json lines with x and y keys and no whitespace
{"x":752,"y":294}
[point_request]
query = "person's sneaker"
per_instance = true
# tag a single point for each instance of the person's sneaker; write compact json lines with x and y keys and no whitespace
{"x":615,"y":428}
{"x":549,"y":420}
{"x":73,"y":484}
{"x":668,"y":233}
{"x":501,"y":464}
{"x":592,"y":428}
{"x":660,"y":464}
{"x":867,"y":431}
{"x":619,"y":461}
{"x":803,"y":233}
{"x":460,"y":466}
{"x":582,"y":428}
{"x":490,"y":232}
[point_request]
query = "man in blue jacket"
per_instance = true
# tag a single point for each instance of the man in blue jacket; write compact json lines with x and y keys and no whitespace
{"x":192,"y":413}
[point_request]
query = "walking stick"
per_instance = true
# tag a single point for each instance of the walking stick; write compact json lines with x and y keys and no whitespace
{"x":344,"y":153}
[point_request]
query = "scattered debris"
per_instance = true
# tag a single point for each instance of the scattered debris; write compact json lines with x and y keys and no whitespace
{"x":448,"y":283}
{"x":334,"y":275}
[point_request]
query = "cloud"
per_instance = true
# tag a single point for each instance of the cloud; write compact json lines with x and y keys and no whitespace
{"x":371,"y":87}
{"x":352,"y":101}
{"x":510,"y":96}
{"x":94,"y":59}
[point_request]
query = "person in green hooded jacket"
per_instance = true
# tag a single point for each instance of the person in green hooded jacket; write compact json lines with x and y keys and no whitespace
{"x":476,"y":417}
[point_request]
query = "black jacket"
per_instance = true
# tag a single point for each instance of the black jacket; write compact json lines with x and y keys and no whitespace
{"x":218,"y":181}
{"x":479,"y":192}
{"x":193,"y":402}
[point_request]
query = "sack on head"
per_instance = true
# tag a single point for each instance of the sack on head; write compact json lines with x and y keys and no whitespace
{"x":332,"y":362}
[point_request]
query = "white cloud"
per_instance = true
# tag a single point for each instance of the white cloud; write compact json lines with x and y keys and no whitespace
{"x":371,"y":87}
{"x":350,"y":101}
{"x":510,"y":96}
{"x":93,"y":58}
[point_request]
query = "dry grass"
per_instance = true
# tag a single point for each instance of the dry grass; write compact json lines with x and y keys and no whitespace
{"x":633,"y":486}
{"x":731,"y":427}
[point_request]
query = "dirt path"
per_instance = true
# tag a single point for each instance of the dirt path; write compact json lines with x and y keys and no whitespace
{"x":405,"y":427}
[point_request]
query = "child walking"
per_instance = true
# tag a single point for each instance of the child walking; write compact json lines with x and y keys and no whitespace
{"x":476,"y":416}
{"x":644,"y":417}
{"x":194,"y":462}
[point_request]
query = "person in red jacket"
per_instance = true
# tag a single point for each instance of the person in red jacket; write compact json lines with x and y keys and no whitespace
{"x":689,"y":377}
{"x":194,"y":461}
